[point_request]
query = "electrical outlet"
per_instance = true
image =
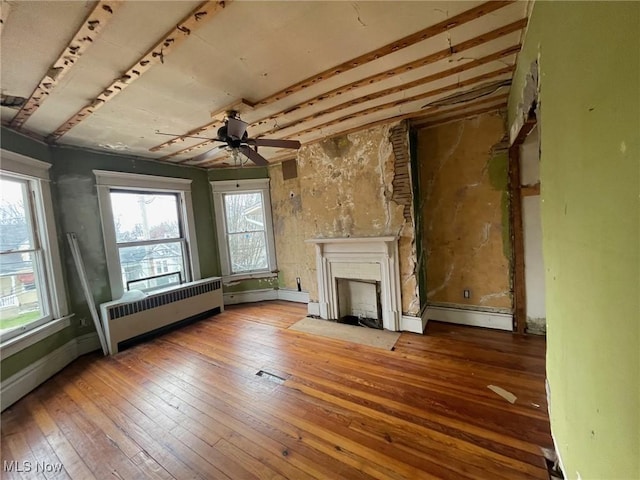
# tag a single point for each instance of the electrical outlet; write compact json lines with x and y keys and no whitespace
{"x":466,"y":293}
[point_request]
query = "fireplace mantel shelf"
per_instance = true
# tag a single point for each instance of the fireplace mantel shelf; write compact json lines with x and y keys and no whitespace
{"x":359,"y":258}
{"x":352,"y":240}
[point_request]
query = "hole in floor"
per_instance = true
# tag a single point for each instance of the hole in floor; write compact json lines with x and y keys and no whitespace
{"x":271,"y":377}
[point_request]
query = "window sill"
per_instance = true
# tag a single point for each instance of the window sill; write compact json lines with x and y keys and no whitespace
{"x":231,"y":279}
{"x":16,"y":344}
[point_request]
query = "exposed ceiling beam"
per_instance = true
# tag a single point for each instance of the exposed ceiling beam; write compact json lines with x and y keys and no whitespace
{"x":407,"y":41}
{"x":412,"y":39}
{"x":464,"y":115}
{"x":421,"y":96}
{"x":407,"y":67}
{"x":501,"y":99}
{"x":382,"y":93}
{"x":400,"y":88}
{"x":83,"y":38}
{"x":194,"y":20}
{"x":497,"y":102}
{"x":240,"y":106}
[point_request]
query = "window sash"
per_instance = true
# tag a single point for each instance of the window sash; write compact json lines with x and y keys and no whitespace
{"x":184,"y":259}
{"x":33,"y":218}
{"x":219,"y":189}
{"x":108,"y":181}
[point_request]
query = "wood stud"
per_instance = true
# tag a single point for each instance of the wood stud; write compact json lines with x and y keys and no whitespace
{"x":422,"y":35}
{"x":97,"y":19}
{"x":407,"y":41}
{"x":195,"y":19}
{"x":422,"y":62}
{"x":517,"y":229}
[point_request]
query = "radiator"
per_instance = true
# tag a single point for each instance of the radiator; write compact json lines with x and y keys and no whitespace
{"x":126,"y":321}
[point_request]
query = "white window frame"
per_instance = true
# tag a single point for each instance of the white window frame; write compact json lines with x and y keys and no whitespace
{"x":261,"y":185}
{"x":106,"y":181}
{"x":36,"y":174}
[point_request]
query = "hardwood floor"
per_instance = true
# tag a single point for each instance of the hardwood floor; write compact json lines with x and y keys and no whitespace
{"x":189,"y":405}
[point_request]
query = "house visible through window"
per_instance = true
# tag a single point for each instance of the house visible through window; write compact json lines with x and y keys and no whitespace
{"x":245,"y":232}
{"x":151,"y":246}
{"x":149,"y":231}
{"x":31,"y":292}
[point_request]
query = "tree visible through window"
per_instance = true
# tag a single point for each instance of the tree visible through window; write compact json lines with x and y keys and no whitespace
{"x":149,"y":237}
{"x":23,"y":297}
{"x":246,"y":235}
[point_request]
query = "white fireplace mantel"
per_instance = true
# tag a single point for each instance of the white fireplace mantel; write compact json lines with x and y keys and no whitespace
{"x":359,"y":258}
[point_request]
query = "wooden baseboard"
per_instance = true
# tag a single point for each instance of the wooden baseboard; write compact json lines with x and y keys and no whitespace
{"x":498,"y":321}
{"x":19,"y":384}
{"x":413,"y":324}
{"x":249,"y":296}
{"x":293,"y":295}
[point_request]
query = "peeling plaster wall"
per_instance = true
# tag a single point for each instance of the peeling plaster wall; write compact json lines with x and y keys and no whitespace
{"x":464,"y":206}
{"x":589,"y":119}
{"x":343,"y":189}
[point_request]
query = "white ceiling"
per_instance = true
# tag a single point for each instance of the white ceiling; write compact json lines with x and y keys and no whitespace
{"x":247,"y":50}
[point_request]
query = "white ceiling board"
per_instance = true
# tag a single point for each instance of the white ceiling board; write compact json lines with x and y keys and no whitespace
{"x":248,"y":50}
{"x":34,"y":36}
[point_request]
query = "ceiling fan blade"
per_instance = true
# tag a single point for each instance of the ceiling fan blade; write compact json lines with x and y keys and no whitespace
{"x":208,"y":154}
{"x":217,"y":139}
{"x":254,"y":156}
{"x":273,"y":142}
{"x":236,"y":128}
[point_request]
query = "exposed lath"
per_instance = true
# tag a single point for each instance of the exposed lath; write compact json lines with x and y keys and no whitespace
{"x":196,"y":18}
{"x":402,"y":194}
{"x":82,"y":40}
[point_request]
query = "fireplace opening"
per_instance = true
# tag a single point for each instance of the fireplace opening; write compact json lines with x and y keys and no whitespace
{"x":359,"y":302}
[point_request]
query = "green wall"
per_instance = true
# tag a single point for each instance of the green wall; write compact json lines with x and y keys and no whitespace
{"x":590,"y":174}
{"x":76,"y":209}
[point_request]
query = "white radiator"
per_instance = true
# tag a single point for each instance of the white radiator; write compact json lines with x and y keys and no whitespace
{"x":125,"y":321}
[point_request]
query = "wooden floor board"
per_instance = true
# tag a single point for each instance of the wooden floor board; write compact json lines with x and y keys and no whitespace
{"x":190,"y":405}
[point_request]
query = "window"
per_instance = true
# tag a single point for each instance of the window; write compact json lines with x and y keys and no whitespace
{"x":31,"y":288}
{"x":245,"y":232}
{"x":148,"y":231}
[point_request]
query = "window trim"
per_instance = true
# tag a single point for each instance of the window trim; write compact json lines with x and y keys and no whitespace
{"x":260,"y":185}
{"x":36,"y":173}
{"x":107,"y":181}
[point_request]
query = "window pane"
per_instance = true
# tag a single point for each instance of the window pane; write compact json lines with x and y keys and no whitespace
{"x":150,"y":260}
{"x":140,"y":216}
{"x":243,"y":212}
{"x":248,"y":252}
{"x":15,"y":223}
{"x":20,"y":290}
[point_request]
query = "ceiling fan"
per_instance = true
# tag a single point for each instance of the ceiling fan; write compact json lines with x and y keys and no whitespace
{"x":236,"y":139}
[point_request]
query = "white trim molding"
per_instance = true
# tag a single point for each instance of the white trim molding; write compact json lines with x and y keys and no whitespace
{"x":409,"y":323}
{"x":52,"y":295}
{"x":23,"y":165}
{"x":495,"y":320}
{"x":30,"y":337}
{"x":142,"y":182}
{"x":313,"y":309}
{"x":106,"y":181}
{"x":256,"y":185}
{"x":293,"y":295}
{"x":359,"y":258}
{"x":21,"y":383}
{"x":250,"y":296}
